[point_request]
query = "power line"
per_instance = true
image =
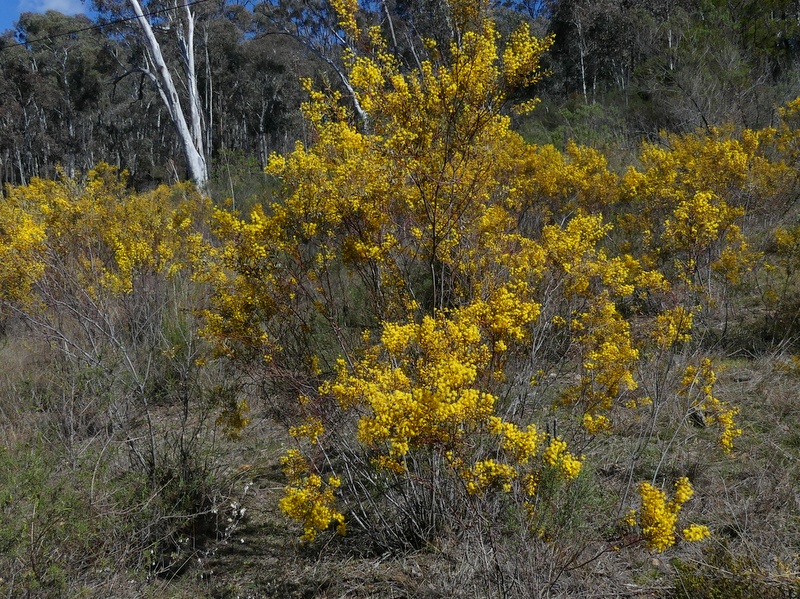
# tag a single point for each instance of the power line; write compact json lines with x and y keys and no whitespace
{"x":100,"y":26}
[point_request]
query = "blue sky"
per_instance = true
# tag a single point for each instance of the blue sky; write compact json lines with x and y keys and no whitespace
{"x":11,"y":9}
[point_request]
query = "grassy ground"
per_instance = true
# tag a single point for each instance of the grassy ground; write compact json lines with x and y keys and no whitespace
{"x":75,"y":522}
{"x":751,"y":500}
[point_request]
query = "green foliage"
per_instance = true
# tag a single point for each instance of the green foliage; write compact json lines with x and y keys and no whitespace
{"x":241,"y":180}
{"x":722,"y":574}
{"x":48,"y":528}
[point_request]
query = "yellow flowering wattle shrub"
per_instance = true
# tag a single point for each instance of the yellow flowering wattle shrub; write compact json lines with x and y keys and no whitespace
{"x":307,"y":500}
{"x":98,"y":233}
{"x":699,"y":382}
{"x":21,"y":242}
{"x":658,"y":517}
{"x":95,"y":277}
{"x":685,"y":207}
{"x":462,"y":333}
{"x":442,"y":313}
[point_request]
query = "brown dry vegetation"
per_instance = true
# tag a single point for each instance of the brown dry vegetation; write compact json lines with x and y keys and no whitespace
{"x":240,"y":545}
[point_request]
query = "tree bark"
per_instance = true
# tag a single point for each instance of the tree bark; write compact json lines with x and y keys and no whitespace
{"x":190,"y":132}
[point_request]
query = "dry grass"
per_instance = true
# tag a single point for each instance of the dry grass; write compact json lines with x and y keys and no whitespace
{"x":750,"y":500}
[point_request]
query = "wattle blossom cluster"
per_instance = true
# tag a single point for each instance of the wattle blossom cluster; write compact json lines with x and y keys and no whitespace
{"x":308,"y":499}
{"x":557,"y":456}
{"x":699,"y":382}
{"x":658,"y":517}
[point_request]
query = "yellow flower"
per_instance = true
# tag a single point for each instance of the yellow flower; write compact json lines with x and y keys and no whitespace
{"x":489,"y":473}
{"x":556,"y":455}
{"x":658,"y":517}
{"x":695,"y":532}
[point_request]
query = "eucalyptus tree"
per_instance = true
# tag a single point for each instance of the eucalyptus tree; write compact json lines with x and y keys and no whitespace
{"x":156,"y":25}
{"x":52,"y":93}
{"x":15,"y":96}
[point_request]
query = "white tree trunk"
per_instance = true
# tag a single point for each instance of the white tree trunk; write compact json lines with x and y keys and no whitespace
{"x":190,"y":132}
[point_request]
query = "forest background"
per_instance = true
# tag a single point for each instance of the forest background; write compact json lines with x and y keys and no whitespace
{"x":470,"y":300}
{"x":620,"y":72}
